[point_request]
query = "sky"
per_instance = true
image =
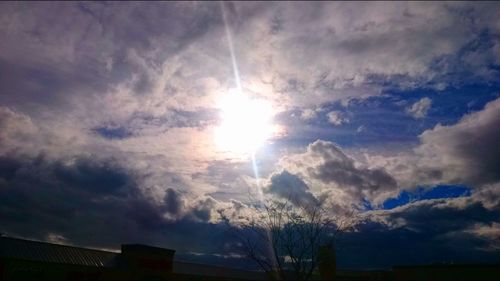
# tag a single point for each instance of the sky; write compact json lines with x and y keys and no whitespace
{"x":141,"y":122}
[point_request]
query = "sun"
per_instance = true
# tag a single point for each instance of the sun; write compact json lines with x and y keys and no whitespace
{"x":245,"y":124}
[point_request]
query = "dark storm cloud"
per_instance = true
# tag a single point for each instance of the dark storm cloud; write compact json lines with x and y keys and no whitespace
{"x":41,"y":197}
{"x":425,"y":232}
{"x":97,"y":177}
{"x":46,"y":195}
{"x":288,"y":186}
{"x":8,"y":168}
{"x":376,"y":246}
{"x":326,"y":163}
{"x":339,"y":168}
{"x":174,"y":204}
{"x":438,"y":216}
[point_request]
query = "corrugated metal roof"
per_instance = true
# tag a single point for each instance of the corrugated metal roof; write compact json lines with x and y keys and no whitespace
{"x":46,"y":252}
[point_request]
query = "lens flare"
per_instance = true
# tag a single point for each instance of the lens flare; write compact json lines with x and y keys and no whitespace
{"x":245,"y":123}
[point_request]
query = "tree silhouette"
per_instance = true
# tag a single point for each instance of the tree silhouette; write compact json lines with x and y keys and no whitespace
{"x":288,"y":239}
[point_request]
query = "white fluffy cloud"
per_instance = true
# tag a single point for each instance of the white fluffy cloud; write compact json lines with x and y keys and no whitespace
{"x":308,"y":114}
{"x":16,"y":130}
{"x":420,"y":108}
{"x":337,"y":118}
{"x":348,"y":46}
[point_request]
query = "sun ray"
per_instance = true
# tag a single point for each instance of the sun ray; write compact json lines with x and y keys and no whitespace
{"x":245,"y":123}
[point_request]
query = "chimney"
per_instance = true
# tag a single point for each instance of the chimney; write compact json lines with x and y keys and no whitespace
{"x":147,"y":258}
{"x":327,"y":262}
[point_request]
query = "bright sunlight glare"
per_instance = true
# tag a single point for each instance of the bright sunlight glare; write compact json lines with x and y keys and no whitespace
{"x":245,"y":123}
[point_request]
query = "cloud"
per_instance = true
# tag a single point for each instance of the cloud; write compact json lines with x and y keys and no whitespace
{"x":124,"y":53}
{"x":467,"y":151}
{"x":291,"y":187}
{"x":488,"y":195}
{"x":419,"y":109}
{"x":489,"y":232}
{"x":94,"y":176}
{"x":105,"y":74}
{"x":336,"y":118}
{"x":16,"y":130}
{"x":174,"y":204}
{"x":431,"y":215}
{"x":424,"y":232}
{"x":340,"y":55}
{"x":326,"y":168}
{"x":308,"y":114}
{"x":40,"y":196}
{"x":462,"y":153}
{"x":203,"y":209}
{"x":58,"y":201}
{"x":120,"y":68}
{"x":189,"y":62}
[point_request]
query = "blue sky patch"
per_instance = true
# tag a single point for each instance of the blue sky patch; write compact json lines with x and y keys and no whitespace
{"x":113,"y":133}
{"x":437,"y":192}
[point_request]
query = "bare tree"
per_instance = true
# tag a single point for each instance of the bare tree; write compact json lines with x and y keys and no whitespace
{"x":288,"y":236}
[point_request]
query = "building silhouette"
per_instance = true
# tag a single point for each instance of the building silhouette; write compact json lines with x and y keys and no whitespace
{"x":32,"y":260}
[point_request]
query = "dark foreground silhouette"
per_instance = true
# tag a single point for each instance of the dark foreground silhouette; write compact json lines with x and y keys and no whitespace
{"x":30,"y":260}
